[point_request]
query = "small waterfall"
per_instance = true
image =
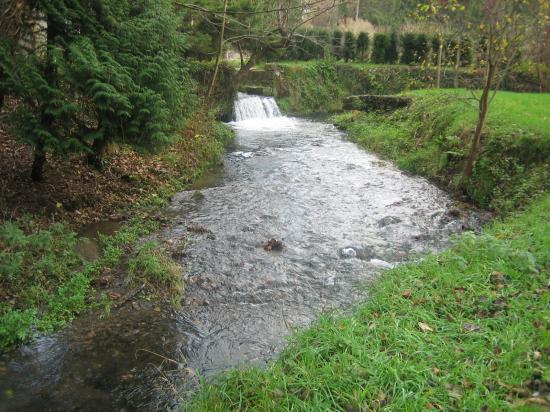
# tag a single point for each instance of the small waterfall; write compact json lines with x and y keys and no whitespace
{"x":248,"y":107}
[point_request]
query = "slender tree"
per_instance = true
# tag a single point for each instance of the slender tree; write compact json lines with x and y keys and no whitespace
{"x":504,"y":28}
{"x":220,"y":52}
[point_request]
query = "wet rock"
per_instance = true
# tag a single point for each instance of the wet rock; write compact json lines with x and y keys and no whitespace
{"x":198,"y":229}
{"x":388,"y":220}
{"x":453,"y":212}
{"x":273,"y":244}
{"x":347,"y":252}
{"x":243,"y":155}
{"x":197,"y":195}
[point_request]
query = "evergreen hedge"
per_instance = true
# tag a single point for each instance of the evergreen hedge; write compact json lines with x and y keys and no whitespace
{"x":380,"y":42}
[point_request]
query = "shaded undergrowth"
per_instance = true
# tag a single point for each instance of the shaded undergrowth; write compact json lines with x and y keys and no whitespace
{"x":45,"y":283}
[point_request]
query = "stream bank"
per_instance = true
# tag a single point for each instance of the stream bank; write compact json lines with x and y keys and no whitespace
{"x":49,"y":273}
{"x":466,"y":329}
{"x":342,"y":215}
{"x":431,"y":138}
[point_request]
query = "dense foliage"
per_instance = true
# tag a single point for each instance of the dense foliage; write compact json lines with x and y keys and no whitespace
{"x":104,"y":72}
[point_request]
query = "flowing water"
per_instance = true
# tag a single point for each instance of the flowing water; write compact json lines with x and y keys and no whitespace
{"x":342,"y":215}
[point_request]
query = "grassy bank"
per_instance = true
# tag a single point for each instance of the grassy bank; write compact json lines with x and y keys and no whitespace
{"x":320,"y":86}
{"x":466,"y":329}
{"x":45,"y":283}
{"x":431,"y":138}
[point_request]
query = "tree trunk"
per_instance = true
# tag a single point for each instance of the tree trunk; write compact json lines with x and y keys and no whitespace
{"x":483,"y":109}
{"x":357,"y":6}
{"x":439,"y":59}
{"x":37,"y":171}
{"x":95,"y":158}
{"x":220,"y":52}
{"x":46,"y":118}
{"x":457,"y":62}
{"x":239,"y":48}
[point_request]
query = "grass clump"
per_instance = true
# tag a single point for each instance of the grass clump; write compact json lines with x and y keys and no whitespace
{"x":432,"y":136}
{"x":152,"y":265}
{"x":42,"y":280}
{"x":467,"y":329}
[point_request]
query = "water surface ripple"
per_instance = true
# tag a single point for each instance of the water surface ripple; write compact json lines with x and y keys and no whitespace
{"x":342,"y":215}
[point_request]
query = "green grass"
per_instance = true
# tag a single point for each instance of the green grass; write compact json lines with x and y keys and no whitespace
{"x":529,"y":111}
{"x":432,"y":137}
{"x":467,"y":329}
{"x":44,"y":283}
{"x":46,"y":280}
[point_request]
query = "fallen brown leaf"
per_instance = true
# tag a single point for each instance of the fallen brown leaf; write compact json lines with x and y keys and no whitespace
{"x":406,"y":293}
{"x":424,"y":327}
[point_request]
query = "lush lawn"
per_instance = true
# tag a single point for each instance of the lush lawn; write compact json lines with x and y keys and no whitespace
{"x":463,"y":330}
{"x":431,"y":138}
{"x":530,"y":111}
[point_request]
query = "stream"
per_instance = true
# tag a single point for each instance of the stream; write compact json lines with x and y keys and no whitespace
{"x":341,"y":215}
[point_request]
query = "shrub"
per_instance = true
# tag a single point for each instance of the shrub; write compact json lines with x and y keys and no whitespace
{"x":349,"y":46}
{"x":337,"y":44}
{"x":408,"y":44}
{"x":391,"y":51}
{"x":380,"y":43}
{"x":363,"y":45}
{"x":421,"y":48}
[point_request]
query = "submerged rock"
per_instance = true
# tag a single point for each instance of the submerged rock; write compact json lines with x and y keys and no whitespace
{"x":273,"y":244}
{"x":388,"y":220}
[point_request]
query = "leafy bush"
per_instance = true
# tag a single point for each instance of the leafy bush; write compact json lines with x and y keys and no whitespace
{"x":363,"y":45}
{"x":408,"y":44}
{"x":421,"y":48}
{"x":392,"y":53}
{"x":379,"y":45}
{"x":349,"y":46}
